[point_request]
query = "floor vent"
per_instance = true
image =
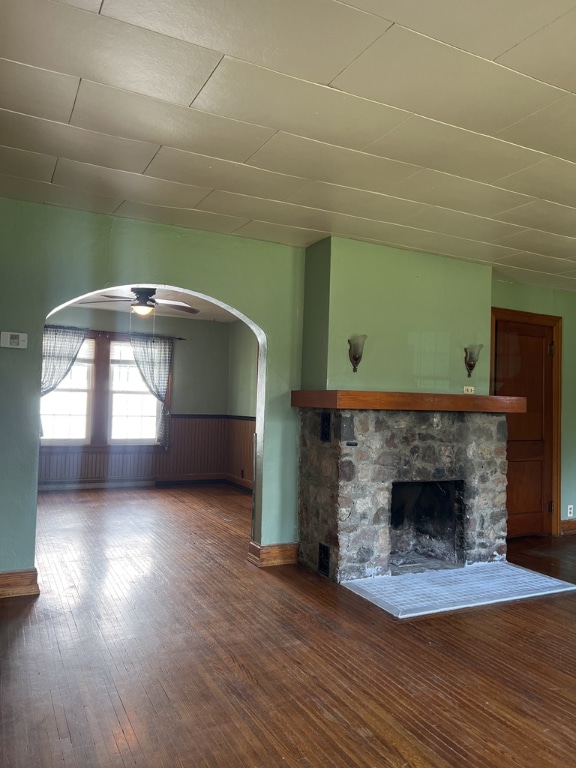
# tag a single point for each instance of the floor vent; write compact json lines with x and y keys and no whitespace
{"x":324,"y":559}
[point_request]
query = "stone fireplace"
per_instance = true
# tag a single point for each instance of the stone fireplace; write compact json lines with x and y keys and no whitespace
{"x":386,"y":489}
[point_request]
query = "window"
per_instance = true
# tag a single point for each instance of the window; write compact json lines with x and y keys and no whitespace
{"x":66,"y":409}
{"x":102,"y":400}
{"x":133,"y":410}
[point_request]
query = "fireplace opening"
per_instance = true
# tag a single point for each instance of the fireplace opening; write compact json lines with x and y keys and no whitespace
{"x":426,"y":526}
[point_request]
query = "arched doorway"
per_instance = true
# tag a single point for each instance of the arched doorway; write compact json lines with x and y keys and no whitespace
{"x":200,"y":356}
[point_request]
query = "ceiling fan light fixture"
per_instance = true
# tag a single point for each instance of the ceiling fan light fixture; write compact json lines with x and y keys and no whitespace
{"x":142,"y":309}
{"x":143,"y":304}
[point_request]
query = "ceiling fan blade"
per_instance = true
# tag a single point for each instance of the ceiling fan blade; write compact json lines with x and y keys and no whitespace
{"x":101,"y":301}
{"x":148,"y":294}
{"x":177,"y":305}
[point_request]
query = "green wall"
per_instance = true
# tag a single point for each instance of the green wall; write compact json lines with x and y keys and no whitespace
{"x":200,"y":383}
{"x":243,"y":370}
{"x":52,"y":255}
{"x":316,"y":316}
{"x":547,"y":301}
{"x":418,"y":311}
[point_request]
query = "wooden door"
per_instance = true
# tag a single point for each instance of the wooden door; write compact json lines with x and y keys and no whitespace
{"x":524,"y":365}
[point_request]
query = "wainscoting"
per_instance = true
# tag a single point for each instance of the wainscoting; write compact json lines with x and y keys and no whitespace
{"x":201,"y":448}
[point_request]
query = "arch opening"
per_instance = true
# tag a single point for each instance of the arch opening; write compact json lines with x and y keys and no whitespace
{"x":209,"y":309}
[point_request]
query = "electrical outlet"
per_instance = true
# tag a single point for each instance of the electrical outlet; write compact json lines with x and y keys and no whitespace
{"x":570,"y":510}
{"x":468,"y":390}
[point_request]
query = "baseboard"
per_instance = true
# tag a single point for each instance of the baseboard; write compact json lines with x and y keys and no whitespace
{"x":92,"y":485}
{"x":568,"y":527}
{"x":199,"y":477}
{"x":18,"y":583}
{"x":241,"y":482}
{"x":87,"y":485}
{"x":272,"y":554}
{"x":221,"y":477}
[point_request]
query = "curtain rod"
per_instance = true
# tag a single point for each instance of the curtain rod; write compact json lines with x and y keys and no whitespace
{"x":105,"y":333}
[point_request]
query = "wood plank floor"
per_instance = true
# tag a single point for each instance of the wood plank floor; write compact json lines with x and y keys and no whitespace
{"x":154,"y":643}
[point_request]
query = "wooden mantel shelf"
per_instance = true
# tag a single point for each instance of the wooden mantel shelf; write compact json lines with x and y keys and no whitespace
{"x":352,"y":399}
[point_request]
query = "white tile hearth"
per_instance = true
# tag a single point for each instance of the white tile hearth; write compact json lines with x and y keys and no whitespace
{"x":420,"y":594}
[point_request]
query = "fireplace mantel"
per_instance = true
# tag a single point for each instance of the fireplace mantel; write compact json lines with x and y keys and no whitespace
{"x":353,"y":399}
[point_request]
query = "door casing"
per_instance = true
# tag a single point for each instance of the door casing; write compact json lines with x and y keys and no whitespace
{"x":554,"y":322}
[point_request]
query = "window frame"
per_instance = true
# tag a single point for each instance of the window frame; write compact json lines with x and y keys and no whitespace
{"x":89,"y":405}
{"x":111,"y":392}
{"x":99,"y":418}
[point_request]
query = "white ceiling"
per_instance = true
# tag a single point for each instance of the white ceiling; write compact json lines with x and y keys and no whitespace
{"x":447,"y":127}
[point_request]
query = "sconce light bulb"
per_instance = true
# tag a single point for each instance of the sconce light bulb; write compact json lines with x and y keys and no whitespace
{"x":356,"y":349}
{"x":471,"y":355}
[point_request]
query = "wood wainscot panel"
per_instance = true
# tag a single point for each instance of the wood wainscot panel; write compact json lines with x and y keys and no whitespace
{"x":272,"y":554}
{"x":196,"y":450}
{"x":80,"y":465}
{"x":202,"y":448}
{"x":240,"y":447}
{"x":19,"y":583}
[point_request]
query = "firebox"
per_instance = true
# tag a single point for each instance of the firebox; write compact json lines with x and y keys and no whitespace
{"x":426,"y":525}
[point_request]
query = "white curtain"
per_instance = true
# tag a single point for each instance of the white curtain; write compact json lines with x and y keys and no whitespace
{"x":154,"y":356}
{"x":60,"y":347}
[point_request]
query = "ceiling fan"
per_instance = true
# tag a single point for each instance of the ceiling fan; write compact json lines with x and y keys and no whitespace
{"x":144,"y":301}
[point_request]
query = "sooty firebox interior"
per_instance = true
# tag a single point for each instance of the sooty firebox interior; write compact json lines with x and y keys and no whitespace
{"x":426,"y":526}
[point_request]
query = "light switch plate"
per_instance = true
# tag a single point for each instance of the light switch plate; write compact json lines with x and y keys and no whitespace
{"x":13,"y":340}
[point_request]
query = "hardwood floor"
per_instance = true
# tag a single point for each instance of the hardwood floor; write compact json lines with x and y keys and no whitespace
{"x":554,"y":556}
{"x":155,"y":643}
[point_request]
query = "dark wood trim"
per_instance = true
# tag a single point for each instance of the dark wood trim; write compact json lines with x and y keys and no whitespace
{"x":241,"y":482}
{"x":96,"y":484}
{"x":225,"y":480}
{"x":211,"y":416}
{"x":272,"y":554}
{"x":192,"y":477}
{"x":568,"y":527}
{"x":135,"y":482}
{"x":517,"y":316}
{"x":19,"y":583}
{"x":555,"y":322}
{"x":214,"y":477}
{"x":557,"y":426}
{"x":405,"y":401}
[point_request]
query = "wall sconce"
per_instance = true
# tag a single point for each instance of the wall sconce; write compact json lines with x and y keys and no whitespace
{"x":471,"y":355}
{"x":355,"y":350}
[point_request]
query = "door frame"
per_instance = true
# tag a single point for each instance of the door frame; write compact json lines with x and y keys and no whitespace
{"x":554,"y":322}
